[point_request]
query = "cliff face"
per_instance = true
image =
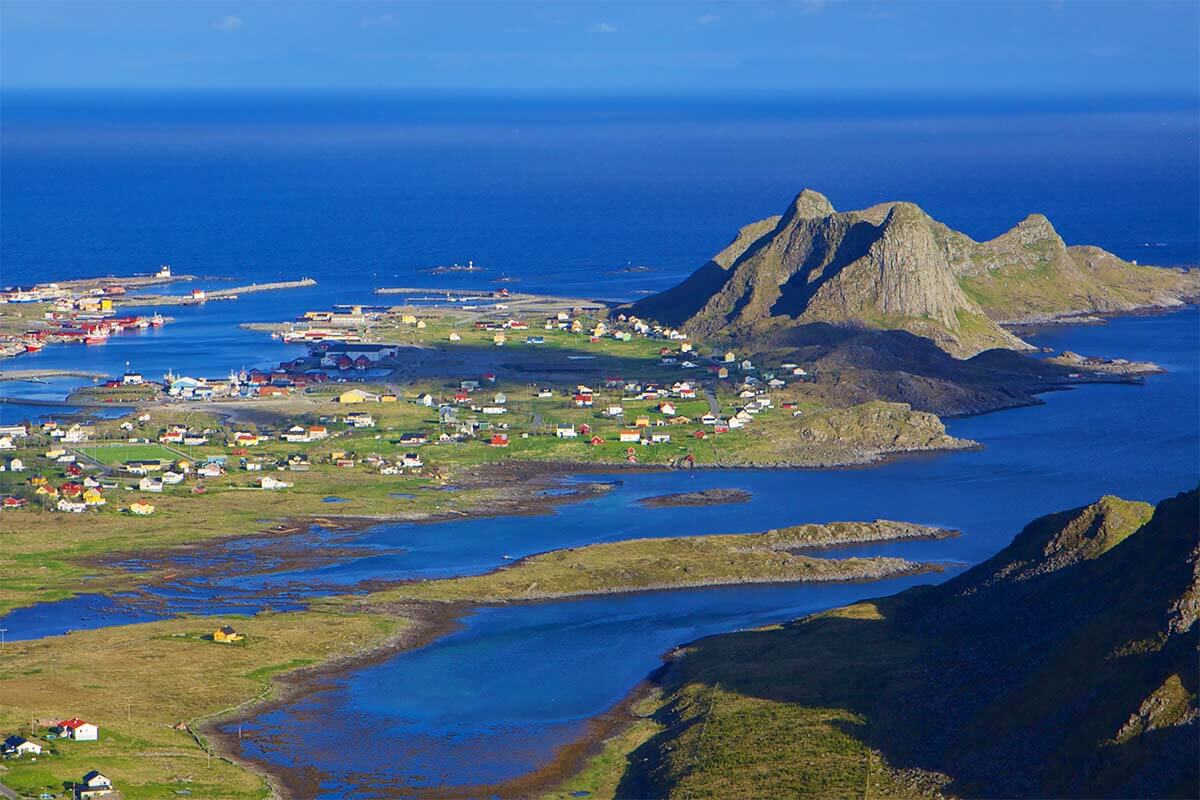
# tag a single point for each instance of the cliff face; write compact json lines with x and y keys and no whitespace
{"x":1065,"y":666}
{"x":892,"y":266}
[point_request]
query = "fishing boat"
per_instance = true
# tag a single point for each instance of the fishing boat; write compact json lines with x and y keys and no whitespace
{"x":156,"y":321}
{"x":33,"y":346}
{"x":98,"y":336}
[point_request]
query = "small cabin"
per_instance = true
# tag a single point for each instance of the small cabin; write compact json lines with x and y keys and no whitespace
{"x":227,"y":634}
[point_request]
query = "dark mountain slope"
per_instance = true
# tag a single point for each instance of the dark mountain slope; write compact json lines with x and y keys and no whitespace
{"x":1065,"y":666}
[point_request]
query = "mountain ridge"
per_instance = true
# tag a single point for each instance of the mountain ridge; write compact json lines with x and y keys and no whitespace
{"x":892,"y":266}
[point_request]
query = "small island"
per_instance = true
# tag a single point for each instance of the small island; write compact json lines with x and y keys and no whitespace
{"x":705,"y":497}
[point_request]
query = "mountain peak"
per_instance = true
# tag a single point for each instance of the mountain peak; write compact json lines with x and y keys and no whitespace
{"x":1033,"y":229}
{"x":809,"y":204}
{"x":1053,"y":542}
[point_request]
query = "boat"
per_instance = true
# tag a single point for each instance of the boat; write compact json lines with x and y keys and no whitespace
{"x":156,"y":321}
{"x":33,"y":347}
{"x":98,"y":336}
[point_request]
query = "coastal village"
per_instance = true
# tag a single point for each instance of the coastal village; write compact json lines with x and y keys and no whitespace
{"x":339,"y":407}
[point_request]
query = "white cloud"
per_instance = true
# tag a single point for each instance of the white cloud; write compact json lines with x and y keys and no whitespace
{"x":229,"y":23}
{"x":377,"y":22}
{"x":709,"y":19}
{"x":603,"y":27}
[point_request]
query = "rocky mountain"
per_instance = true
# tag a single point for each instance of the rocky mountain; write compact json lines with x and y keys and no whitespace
{"x":892,"y":266}
{"x":1065,"y":666}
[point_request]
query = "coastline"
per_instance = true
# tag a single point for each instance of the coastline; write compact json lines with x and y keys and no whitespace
{"x":434,"y":620}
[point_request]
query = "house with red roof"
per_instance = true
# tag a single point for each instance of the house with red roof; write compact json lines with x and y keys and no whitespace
{"x":78,"y":729}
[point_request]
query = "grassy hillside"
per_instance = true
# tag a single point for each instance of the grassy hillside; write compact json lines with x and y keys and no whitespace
{"x":1063,"y":667}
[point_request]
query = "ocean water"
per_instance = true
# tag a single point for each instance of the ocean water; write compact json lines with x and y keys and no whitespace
{"x":359,"y":191}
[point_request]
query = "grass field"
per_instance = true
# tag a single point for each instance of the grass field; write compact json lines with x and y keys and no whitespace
{"x":138,"y":682}
{"x":110,"y":454}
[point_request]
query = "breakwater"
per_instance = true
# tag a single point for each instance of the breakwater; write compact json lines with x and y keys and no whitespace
{"x":216,"y":294}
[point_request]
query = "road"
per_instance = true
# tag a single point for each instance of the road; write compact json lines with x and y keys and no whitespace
{"x":713,"y":406}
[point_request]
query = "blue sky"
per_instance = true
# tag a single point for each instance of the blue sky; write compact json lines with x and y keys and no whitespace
{"x":1043,"y":46}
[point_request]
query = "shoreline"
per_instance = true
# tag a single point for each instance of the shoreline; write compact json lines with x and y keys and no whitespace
{"x":435,"y":620}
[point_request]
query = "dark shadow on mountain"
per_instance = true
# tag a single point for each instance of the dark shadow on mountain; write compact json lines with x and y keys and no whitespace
{"x":1065,"y":666}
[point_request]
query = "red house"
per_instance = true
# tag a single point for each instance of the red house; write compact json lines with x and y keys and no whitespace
{"x":499,"y":440}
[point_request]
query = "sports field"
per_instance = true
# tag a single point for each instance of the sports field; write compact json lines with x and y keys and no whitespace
{"x":108,"y":454}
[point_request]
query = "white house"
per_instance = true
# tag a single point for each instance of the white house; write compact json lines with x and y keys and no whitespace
{"x":20,"y":746}
{"x":14,"y":431}
{"x":267,"y":482}
{"x":425,"y":399}
{"x":94,"y":784}
{"x":78,"y":730}
{"x":149,"y":484}
{"x":631,"y":436}
{"x":16,"y":465}
{"x":565,"y":430}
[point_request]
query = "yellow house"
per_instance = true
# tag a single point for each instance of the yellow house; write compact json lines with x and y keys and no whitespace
{"x":142,"y":509}
{"x":408,"y":319}
{"x":38,"y":480}
{"x":387,"y":398}
{"x":642,"y":422}
{"x":106,"y":304}
{"x":730,"y":357}
{"x":354,"y":396}
{"x":46,"y":490}
{"x":93,"y":497}
{"x":226,"y":634}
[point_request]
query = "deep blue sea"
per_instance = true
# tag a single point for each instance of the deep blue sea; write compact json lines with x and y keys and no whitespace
{"x":557,"y":194}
